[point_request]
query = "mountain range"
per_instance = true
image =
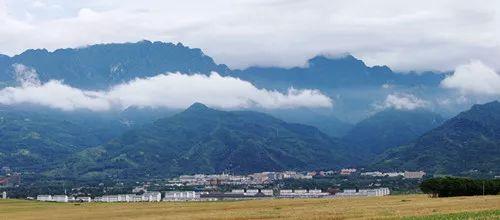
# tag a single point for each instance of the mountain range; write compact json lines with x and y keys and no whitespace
{"x":141,"y":142}
{"x":353,"y":86}
{"x":201,"y":139}
{"x":100,"y":66}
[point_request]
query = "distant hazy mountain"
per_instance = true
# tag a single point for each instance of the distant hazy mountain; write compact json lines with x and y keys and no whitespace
{"x":328,"y":73}
{"x":101,"y":65}
{"x":352,"y":85}
{"x":98,"y":66}
{"x":323,"y":120}
{"x":469,"y":141}
{"x":204,"y":140}
{"x":391,"y":128}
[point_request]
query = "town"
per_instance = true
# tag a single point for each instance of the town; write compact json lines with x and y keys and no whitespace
{"x":270,"y":177}
{"x":213,"y":187}
{"x":236,"y":194}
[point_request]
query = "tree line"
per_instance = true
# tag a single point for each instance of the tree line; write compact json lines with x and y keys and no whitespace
{"x":454,"y":186}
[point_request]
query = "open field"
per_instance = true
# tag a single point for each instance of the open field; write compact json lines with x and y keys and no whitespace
{"x":391,"y":207}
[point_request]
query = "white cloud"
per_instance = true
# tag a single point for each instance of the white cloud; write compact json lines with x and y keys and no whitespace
{"x":172,"y":90}
{"x":474,"y":78}
{"x":426,"y":34}
{"x":403,"y":101}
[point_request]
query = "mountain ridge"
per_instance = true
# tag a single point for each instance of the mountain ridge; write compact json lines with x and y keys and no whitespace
{"x":469,"y":142}
{"x":201,"y":139}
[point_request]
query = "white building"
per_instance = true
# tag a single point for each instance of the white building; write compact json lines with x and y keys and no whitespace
{"x":394,"y":174}
{"x":251,"y":192}
{"x":300,"y":191}
{"x":151,"y":197}
{"x":60,"y":198}
{"x":365,"y":192}
{"x":375,"y":174}
{"x":237,"y":191}
{"x":315,"y":191}
{"x":136,"y":198}
{"x":110,"y":198}
{"x":267,"y":192}
{"x":83,"y":199}
{"x":414,"y":175}
{"x":44,"y":198}
{"x":181,"y":196}
{"x":348,"y":171}
{"x":125,"y":197}
{"x":286,"y":192}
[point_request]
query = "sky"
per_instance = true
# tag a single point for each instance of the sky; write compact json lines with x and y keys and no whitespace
{"x":405,"y":35}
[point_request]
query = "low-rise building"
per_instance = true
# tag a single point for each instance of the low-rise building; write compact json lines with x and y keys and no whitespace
{"x":180,"y":196}
{"x":348,"y":171}
{"x":251,"y":192}
{"x":414,"y":175}
{"x":110,"y":198}
{"x":238,"y":191}
{"x":83,"y":199}
{"x":267,"y":192}
{"x":286,"y":192}
{"x":44,"y":198}
{"x":152,"y":197}
{"x":364,"y":192}
{"x":394,"y":174}
{"x":374,"y":174}
{"x":315,"y":191}
{"x":60,"y":198}
{"x":136,"y":198}
{"x":300,"y":191}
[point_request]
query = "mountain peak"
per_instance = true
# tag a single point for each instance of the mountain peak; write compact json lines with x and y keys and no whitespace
{"x":347,"y":60}
{"x":197,"y":106}
{"x":492,"y":104}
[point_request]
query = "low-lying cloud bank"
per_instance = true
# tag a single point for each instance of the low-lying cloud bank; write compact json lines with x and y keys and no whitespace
{"x":170,"y":90}
{"x":403,"y":101}
{"x":474,"y":78}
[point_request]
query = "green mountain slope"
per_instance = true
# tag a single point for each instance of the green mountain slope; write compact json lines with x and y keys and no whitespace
{"x":391,"y":128}
{"x":31,"y":141}
{"x":465,"y":143}
{"x":205,"y":140}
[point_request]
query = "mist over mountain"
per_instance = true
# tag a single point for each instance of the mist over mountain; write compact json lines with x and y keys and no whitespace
{"x":467,"y":143}
{"x":118,"y":110}
{"x":353,"y":87}
{"x":337,"y":72}
{"x":324,"y":120}
{"x":391,"y":128}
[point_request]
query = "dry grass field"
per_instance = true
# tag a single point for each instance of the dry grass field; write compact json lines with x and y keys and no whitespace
{"x":389,"y":207}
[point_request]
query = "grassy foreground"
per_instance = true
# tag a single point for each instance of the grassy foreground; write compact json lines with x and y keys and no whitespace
{"x":392,"y":207}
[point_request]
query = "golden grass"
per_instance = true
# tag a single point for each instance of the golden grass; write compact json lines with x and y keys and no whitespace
{"x":392,"y":207}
